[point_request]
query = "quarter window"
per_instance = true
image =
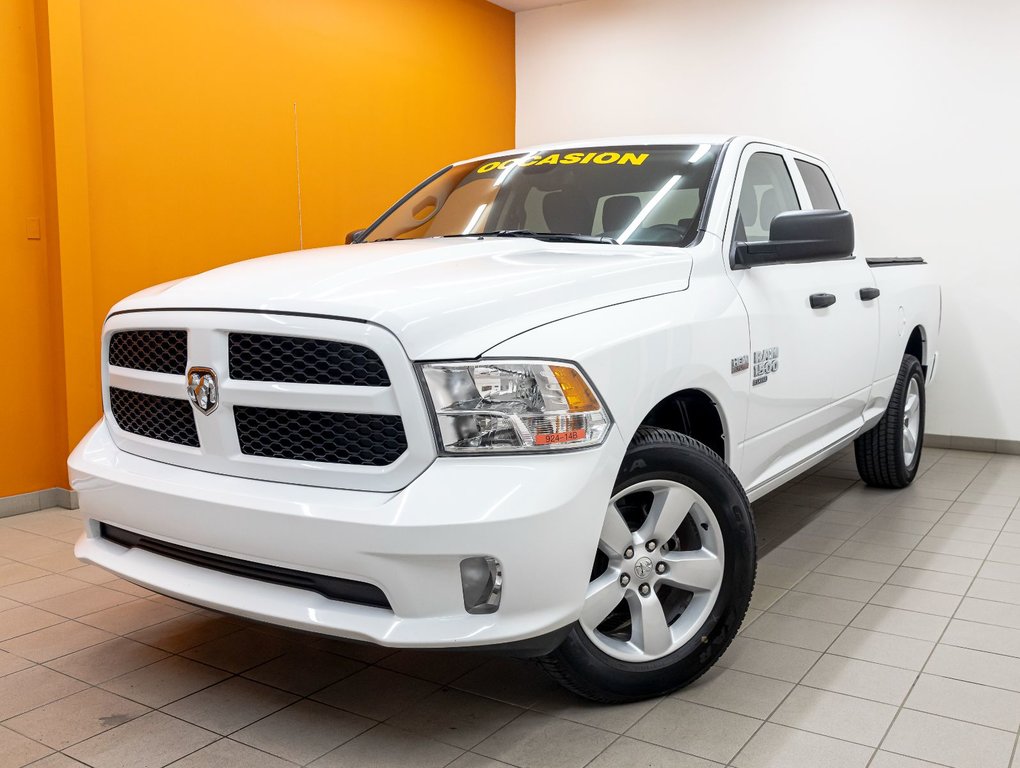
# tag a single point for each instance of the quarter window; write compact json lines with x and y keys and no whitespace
{"x":766,"y":191}
{"x":819,"y":187}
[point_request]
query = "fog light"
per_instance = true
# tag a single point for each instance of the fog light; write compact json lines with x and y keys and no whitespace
{"x":482,"y":581}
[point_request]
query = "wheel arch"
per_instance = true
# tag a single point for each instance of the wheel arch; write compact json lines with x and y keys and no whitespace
{"x":917,"y":345}
{"x":693,"y":412}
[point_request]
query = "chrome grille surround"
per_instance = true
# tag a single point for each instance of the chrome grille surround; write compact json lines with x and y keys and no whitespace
{"x":221,"y":451}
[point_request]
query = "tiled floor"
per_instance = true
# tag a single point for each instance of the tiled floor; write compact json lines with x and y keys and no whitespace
{"x":885,"y":632}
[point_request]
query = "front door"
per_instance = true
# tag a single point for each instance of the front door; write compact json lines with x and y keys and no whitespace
{"x":801,"y":376}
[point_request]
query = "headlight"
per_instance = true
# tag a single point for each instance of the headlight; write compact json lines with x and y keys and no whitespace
{"x":513,"y":405}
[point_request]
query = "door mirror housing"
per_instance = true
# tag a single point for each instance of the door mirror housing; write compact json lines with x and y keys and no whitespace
{"x":354,"y":236}
{"x":796,"y":236}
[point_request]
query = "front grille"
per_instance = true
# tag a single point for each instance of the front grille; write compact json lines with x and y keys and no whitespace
{"x":158,"y":351}
{"x":159,"y":418}
{"x":294,"y":360}
{"x":331,"y":587}
{"x":315,"y":401}
{"x":335,"y":438}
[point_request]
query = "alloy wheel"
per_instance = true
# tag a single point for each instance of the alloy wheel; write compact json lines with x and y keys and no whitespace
{"x":657,"y":573}
{"x":911,"y":422}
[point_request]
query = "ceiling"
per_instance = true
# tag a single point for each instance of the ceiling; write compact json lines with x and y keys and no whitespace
{"x":527,"y":5}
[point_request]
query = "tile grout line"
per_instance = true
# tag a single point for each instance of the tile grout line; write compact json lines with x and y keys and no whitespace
{"x":807,"y":672}
{"x":240,"y":675}
{"x":618,"y":737}
{"x":1016,"y":742}
{"x":823,"y":653}
{"x":917,"y":673}
{"x":220,"y":736}
{"x":160,"y":709}
{"x":826,"y":651}
{"x":92,"y":686}
{"x":935,"y":645}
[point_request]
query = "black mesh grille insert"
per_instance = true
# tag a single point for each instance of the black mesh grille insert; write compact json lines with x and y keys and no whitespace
{"x":334,"y":438}
{"x":161,"y":418}
{"x":332,"y":587}
{"x":257,"y":357}
{"x":150,"y":350}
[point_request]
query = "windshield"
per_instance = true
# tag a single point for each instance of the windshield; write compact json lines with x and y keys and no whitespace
{"x":642,"y":195}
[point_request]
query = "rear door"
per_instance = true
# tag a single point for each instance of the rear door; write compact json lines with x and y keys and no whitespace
{"x":854,"y":346}
{"x":800,"y":374}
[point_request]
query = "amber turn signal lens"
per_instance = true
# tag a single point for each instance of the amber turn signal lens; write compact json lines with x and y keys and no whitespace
{"x":579,"y":396}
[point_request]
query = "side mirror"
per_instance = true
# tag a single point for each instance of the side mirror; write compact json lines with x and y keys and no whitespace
{"x":354,"y":236}
{"x":800,"y":236}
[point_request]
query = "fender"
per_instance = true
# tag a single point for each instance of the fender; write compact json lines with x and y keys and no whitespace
{"x":637,"y":354}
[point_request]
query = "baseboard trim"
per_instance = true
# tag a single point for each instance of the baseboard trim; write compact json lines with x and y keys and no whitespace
{"x":36,"y":500}
{"x":983,"y":444}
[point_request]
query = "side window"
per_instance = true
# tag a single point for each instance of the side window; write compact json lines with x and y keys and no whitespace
{"x":819,"y":187}
{"x":766,"y":191}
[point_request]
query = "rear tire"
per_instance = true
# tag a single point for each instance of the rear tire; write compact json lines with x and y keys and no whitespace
{"x":671,"y":579}
{"x":889,"y":453}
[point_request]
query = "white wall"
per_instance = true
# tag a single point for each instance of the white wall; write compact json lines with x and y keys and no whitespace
{"x":914,"y":103}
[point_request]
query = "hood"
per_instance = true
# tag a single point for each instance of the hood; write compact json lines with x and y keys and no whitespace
{"x":443,"y":298}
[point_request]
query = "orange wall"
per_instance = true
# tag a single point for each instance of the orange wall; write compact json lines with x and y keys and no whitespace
{"x":198,"y":118}
{"x":29,"y":414}
{"x":193,"y":142}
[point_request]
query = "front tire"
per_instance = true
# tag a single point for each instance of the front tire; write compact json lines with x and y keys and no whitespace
{"x":889,"y":453}
{"x":672,"y":577}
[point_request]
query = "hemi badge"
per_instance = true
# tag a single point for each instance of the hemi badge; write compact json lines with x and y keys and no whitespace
{"x":738,"y":364}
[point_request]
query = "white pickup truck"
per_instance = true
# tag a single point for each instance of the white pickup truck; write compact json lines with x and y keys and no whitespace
{"x":525,"y":410}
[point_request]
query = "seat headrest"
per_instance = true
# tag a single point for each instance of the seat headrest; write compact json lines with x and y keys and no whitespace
{"x":748,"y":205}
{"x":566,"y":212}
{"x":618,"y":212}
{"x":769,"y":207}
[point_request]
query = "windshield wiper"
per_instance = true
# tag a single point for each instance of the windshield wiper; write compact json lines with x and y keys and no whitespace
{"x":552,"y":237}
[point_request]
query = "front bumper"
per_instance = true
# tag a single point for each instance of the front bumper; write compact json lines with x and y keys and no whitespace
{"x":539,"y":515}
